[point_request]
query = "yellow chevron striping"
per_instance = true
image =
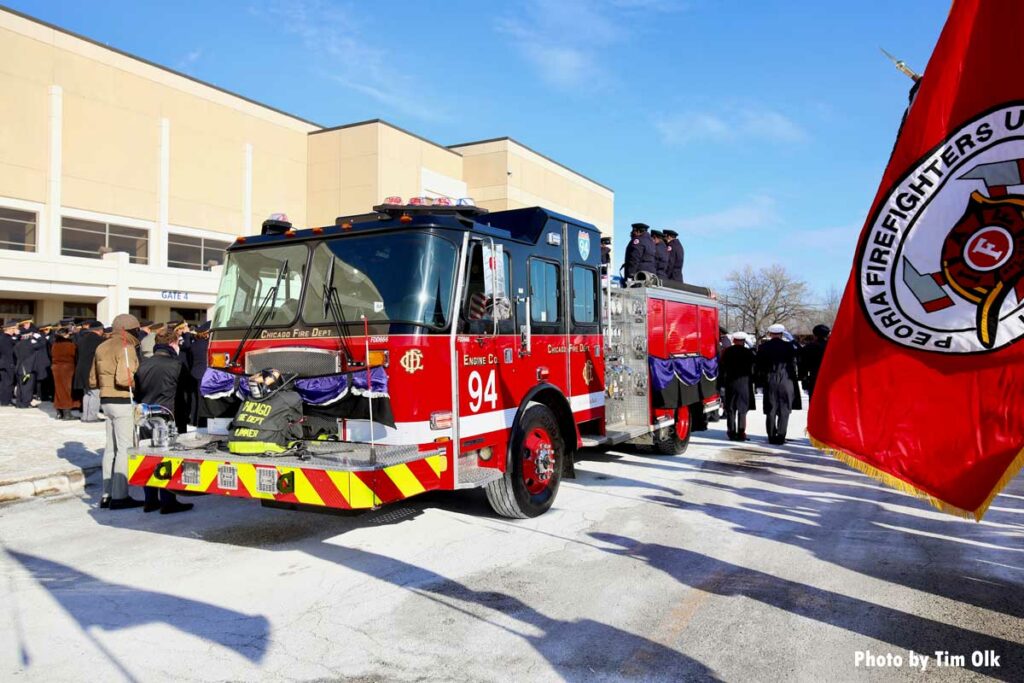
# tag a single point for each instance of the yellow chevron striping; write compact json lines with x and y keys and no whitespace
{"x":304,"y":490}
{"x":341,"y":482}
{"x":360,"y":495}
{"x":247,"y":477}
{"x":404,"y":479}
{"x":438,"y":463}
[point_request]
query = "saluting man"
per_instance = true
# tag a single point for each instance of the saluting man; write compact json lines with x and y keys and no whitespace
{"x":640,"y":253}
{"x":675,"y":250}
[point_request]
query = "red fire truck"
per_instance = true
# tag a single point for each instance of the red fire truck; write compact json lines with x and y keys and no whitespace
{"x":436,"y":345}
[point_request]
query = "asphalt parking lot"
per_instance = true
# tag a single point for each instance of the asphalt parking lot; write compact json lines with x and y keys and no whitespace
{"x":732,"y":562}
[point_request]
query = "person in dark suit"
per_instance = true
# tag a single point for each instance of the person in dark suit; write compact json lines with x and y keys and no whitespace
{"x":661,"y":254}
{"x":735,"y":378}
{"x":811,"y":355}
{"x":776,"y":369}
{"x":676,"y":254}
{"x":197,"y":368}
{"x":89,"y":339}
{"x":160,"y":380}
{"x":32,"y":362}
{"x":640,"y":253}
{"x":7,"y":365}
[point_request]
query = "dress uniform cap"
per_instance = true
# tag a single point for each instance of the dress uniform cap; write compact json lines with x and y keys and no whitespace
{"x":777,"y":328}
{"x":658,"y":233}
{"x":642,"y":227}
{"x":739,"y":336}
{"x":203,"y":326}
{"x":671,"y":233}
{"x":145,"y":322}
{"x":606,"y":240}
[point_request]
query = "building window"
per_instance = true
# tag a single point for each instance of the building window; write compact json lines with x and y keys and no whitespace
{"x":545,"y":291}
{"x":91,"y":239}
{"x":17,"y":230}
{"x":140,"y":312}
{"x":197,"y":253}
{"x":17,"y":308}
{"x":79,"y":310}
{"x":584,"y":295}
{"x":189,"y":315}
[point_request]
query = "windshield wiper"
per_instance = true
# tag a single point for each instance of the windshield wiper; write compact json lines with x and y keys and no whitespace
{"x":332,"y":304}
{"x":261,"y":315}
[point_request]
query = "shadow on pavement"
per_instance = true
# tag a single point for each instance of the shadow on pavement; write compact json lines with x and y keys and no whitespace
{"x":93,"y":602}
{"x":578,"y":649}
{"x":869,"y":619}
{"x":853,"y":523}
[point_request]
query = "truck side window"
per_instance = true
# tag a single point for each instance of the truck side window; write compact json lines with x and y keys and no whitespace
{"x":584,"y":295}
{"x":545,"y":291}
{"x":476,"y":309}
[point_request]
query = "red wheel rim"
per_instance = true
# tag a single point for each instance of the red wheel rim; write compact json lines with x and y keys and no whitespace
{"x":682,"y":423}
{"x":539,"y":460}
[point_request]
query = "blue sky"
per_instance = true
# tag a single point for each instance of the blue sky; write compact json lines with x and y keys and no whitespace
{"x":758,"y":129}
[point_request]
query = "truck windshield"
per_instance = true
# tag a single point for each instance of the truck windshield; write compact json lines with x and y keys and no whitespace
{"x":248,"y":277}
{"x":398,"y":278}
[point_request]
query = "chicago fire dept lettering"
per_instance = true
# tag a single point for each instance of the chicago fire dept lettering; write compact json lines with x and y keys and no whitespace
{"x":942,"y":265}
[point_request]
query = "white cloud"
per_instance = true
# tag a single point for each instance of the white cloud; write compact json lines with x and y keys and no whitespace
{"x":759,"y":211}
{"x":190,"y":58}
{"x":344,"y":53}
{"x":730,"y":125}
{"x":565,"y":39}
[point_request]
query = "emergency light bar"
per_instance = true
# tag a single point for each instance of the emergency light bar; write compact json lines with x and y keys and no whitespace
{"x":395,"y":200}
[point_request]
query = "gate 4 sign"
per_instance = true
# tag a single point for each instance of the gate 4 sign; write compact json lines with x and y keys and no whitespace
{"x":942,"y":266}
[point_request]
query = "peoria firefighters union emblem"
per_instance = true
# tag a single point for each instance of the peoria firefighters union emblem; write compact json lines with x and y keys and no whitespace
{"x":942,"y":265}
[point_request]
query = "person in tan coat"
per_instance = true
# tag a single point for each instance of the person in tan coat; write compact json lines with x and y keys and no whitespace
{"x":113,"y":373}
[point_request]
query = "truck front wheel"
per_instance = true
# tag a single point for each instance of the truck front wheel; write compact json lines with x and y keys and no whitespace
{"x":528,"y":487}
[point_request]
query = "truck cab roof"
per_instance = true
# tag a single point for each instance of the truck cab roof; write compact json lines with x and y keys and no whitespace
{"x":525,"y":225}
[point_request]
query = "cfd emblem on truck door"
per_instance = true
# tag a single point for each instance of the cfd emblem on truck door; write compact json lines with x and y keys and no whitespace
{"x":412,"y":361}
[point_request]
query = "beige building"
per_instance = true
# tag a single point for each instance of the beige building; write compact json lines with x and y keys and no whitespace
{"x":121,"y":181}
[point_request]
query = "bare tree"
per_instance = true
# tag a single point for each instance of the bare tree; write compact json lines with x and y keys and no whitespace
{"x":830,"y":306}
{"x":757,"y":299}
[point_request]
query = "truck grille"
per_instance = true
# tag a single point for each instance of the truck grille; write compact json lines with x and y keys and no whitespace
{"x":305,"y":362}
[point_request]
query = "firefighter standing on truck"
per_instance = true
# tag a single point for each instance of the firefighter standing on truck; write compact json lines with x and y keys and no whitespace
{"x":662,"y":256}
{"x":640,"y":252}
{"x":675,"y":248}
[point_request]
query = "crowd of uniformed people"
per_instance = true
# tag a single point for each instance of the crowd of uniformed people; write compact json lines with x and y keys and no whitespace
{"x":778,"y":366}
{"x":94,"y":373}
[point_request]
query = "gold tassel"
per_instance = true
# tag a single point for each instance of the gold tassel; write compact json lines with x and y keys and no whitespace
{"x":906,"y":487}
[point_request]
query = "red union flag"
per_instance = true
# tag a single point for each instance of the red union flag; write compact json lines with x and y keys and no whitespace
{"x":923,"y":383}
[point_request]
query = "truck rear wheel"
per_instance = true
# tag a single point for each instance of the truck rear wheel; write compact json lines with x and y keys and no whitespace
{"x":528,"y":487}
{"x":674,"y":439}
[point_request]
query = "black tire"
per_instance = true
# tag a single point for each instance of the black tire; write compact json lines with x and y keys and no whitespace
{"x":667,"y":440}
{"x":510,"y":496}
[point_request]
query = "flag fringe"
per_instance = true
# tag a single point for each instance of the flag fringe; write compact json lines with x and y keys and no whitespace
{"x":906,"y":487}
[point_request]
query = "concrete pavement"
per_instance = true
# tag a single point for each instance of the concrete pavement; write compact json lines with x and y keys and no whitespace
{"x":732,"y":562}
{"x":42,"y":456}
